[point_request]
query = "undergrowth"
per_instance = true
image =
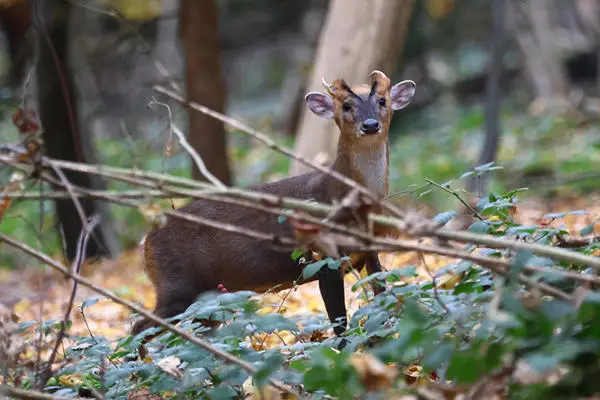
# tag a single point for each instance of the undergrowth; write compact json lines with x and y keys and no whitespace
{"x":470,"y":327}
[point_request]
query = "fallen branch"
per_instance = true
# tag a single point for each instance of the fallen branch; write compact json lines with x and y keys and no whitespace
{"x":574,"y":242}
{"x":425,"y":229}
{"x":10,"y":391}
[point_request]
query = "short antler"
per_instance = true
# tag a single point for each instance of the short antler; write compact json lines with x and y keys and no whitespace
{"x":381,"y":83}
{"x":327,"y":85}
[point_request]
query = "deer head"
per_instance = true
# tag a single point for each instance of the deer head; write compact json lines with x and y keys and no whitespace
{"x":362,"y":112}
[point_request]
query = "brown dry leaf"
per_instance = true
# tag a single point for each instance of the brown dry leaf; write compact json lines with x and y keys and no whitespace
{"x":170,"y":365}
{"x":317,"y":336}
{"x":15,"y":184}
{"x":414,"y":375}
{"x":143,"y":394}
{"x":10,"y":344}
{"x":373,"y":374}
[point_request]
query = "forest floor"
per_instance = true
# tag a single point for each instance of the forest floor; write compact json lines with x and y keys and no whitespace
{"x":31,"y":291}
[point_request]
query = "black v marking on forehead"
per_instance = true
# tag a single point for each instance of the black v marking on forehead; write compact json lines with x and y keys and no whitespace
{"x":373,"y":88}
{"x":347,"y":88}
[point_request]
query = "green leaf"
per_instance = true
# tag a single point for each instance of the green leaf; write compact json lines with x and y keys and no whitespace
{"x":588,"y":229}
{"x":445,"y":217}
{"x":519,"y":262}
{"x":480,"y":227}
{"x":222,"y":393}
{"x":562,"y":214}
{"x":441,"y":355}
{"x":312,"y":269}
{"x":89,"y":302}
{"x":297,"y":253}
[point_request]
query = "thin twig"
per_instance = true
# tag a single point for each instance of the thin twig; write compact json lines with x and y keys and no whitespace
{"x":124,"y":194}
{"x":492,"y":241}
{"x":323,"y":209}
{"x":10,"y":391}
{"x":75,"y":269}
{"x":455,"y":194}
{"x":229,"y":358}
{"x":187,"y":147}
{"x":434,"y":283}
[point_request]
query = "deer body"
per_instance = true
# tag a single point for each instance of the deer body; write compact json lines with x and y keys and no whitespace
{"x":184,"y":259}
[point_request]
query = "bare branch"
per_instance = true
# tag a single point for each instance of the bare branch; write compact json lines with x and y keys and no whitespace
{"x":29,"y":394}
{"x":187,"y":147}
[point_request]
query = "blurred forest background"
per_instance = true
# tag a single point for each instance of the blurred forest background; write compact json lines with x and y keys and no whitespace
{"x":511,"y":82}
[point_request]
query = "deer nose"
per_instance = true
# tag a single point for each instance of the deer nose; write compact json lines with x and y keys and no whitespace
{"x":370,"y":126}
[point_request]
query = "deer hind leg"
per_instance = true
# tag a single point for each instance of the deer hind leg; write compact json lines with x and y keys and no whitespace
{"x":166,"y":307}
{"x":373,"y":266}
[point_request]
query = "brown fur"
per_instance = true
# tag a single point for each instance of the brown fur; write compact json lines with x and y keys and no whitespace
{"x":184,"y":259}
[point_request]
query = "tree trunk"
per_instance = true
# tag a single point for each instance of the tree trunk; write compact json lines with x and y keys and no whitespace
{"x":531,"y":21}
{"x":493,"y":100}
{"x":14,"y":19}
{"x":358,"y":37}
{"x":62,"y":139}
{"x":199,"y":33}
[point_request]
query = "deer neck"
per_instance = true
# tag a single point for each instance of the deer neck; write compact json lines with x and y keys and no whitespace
{"x":368,"y":165}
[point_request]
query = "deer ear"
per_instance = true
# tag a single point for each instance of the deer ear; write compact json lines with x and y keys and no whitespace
{"x":320,"y":104}
{"x":402,"y":94}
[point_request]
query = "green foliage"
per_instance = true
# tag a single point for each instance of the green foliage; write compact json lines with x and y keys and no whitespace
{"x":477,"y":326}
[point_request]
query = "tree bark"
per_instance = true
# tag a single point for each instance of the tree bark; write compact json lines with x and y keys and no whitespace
{"x":493,"y":128}
{"x":358,"y":37}
{"x":14,"y":19}
{"x":61,"y":134}
{"x":199,"y":34}
{"x":531,"y":21}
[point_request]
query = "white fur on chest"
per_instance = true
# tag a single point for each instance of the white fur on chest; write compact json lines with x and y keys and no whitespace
{"x":372,"y":165}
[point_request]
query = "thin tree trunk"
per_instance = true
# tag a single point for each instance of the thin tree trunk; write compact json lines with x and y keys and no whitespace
{"x":358,"y":37}
{"x":493,"y":100}
{"x":199,"y":33}
{"x":531,"y":21}
{"x":14,"y":19}
{"x":61,"y":135}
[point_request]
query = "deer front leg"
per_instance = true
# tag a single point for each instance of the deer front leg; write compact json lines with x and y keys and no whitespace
{"x":373,"y":265}
{"x":331,"y":285}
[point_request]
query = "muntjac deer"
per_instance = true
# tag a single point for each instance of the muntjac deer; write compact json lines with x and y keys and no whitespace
{"x":184,"y":259}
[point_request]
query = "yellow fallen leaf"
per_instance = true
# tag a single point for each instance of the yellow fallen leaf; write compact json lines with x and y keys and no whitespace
{"x":21,"y":307}
{"x":70,"y":379}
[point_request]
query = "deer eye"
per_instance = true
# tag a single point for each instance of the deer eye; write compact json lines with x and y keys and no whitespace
{"x":346,"y":106}
{"x":382,"y":102}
